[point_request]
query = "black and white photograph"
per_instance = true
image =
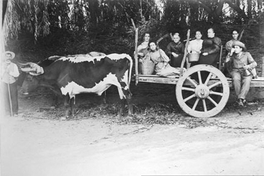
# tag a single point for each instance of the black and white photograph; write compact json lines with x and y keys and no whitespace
{"x":131,"y":87}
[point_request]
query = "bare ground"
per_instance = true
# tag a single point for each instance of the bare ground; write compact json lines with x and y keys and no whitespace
{"x":98,"y":143}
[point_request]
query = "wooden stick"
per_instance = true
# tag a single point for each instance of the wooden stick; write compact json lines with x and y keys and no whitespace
{"x":220,"y":58}
{"x":136,"y":51}
{"x":243,"y":30}
{"x":185,"y":52}
{"x":161,"y":38}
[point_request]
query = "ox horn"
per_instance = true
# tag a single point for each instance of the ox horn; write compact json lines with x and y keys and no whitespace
{"x":32,"y":68}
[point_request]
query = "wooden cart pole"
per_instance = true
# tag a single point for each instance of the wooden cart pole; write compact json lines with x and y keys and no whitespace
{"x":136,"y":51}
{"x":220,"y":58}
{"x":185,"y":52}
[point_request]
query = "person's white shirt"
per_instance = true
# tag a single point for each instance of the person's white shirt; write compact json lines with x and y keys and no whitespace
{"x":195,"y":46}
{"x":9,"y":72}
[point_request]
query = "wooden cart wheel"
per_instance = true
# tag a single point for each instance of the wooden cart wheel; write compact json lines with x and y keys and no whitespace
{"x":202,"y":91}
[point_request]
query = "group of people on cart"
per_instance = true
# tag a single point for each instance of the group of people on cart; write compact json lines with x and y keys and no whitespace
{"x":202,"y":51}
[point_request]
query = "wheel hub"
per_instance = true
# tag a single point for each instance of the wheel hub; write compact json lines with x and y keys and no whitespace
{"x":202,"y":91}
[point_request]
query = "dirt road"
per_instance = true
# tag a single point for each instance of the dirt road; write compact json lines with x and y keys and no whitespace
{"x":232,"y":144}
{"x":37,"y":143}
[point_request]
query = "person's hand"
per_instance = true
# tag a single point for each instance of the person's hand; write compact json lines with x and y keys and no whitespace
{"x":246,"y":67}
{"x":205,"y":54}
{"x":182,"y":70}
{"x":232,"y":51}
{"x":174,"y":54}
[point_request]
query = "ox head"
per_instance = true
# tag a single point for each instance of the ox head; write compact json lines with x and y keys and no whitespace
{"x":32,"y":68}
{"x":30,"y":82}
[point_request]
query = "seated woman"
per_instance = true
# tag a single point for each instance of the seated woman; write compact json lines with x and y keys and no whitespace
{"x":195,"y":47}
{"x":143,"y":47}
{"x":210,"y":49}
{"x":161,"y":61}
{"x":175,"y":50}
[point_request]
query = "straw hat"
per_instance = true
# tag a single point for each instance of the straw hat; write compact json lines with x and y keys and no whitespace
{"x":9,"y":55}
{"x":240,"y":44}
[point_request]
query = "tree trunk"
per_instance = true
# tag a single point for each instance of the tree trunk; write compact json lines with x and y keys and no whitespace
{"x":261,"y":30}
{"x":93,"y":8}
{"x":249,"y":8}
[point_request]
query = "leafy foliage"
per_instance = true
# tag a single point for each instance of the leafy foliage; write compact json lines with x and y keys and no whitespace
{"x":76,"y":26}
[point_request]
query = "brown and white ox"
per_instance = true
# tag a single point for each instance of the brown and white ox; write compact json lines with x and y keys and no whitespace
{"x":85,"y":73}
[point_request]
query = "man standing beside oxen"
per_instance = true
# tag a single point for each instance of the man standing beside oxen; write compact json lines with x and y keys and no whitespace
{"x":9,"y":76}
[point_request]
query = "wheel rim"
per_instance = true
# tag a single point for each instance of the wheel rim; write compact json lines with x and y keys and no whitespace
{"x":202,"y":91}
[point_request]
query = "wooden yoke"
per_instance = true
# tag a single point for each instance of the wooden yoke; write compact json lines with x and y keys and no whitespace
{"x":185,"y":52}
{"x":136,"y":51}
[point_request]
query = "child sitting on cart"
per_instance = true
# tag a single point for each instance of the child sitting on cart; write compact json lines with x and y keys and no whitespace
{"x":161,"y":61}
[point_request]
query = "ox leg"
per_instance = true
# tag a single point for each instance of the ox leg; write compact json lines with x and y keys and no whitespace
{"x":128,"y":100}
{"x":125,"y":96}
{"x":57,"y":97}
{"x":104,"y":98}
{"x":68,"y":104}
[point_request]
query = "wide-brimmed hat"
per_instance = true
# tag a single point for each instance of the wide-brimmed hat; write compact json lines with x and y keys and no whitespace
{"x":9,"y":53}
{"x":240,"y":44}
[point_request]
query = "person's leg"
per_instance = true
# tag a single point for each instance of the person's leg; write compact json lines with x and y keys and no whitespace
{"x":6,"y":98}
{"x":210,"y":59}
{"x":245,"y":87}
{"x":236,"y":76}
{"x":14,"y":97}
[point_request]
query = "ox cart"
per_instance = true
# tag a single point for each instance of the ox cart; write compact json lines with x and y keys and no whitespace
{"x":201,"y":91}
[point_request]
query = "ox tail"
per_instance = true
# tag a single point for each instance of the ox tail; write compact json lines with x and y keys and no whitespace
{"x":130,"y":70}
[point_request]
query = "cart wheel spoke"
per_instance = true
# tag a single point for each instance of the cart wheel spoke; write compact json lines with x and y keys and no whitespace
{"x":188,"y":98}
{"x":199,"y":77}
{"x":192,"y":81}
{"x":208,"y":78}
{"x":204,"y":105}
{"x":215,"y":84}
{"x":209,"y":98}
{"x":195,"y":103}
{"x":216,"y":93}
{"x":188,"y":89}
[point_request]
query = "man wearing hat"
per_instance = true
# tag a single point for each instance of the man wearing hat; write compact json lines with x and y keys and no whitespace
{"x":9,"y":75}
{"x":243,"y":64}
